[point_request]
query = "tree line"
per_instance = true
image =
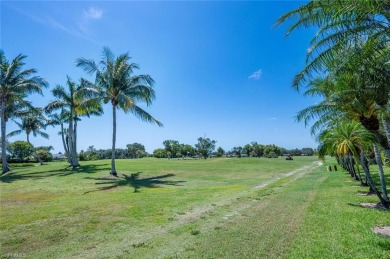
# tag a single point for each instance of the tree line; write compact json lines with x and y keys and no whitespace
{"x":21,"y":151}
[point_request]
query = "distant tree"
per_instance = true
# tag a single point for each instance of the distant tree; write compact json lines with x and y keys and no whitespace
{"x":307,"y":151}
{"x":172,"y":146}
{"x":205,"y":146}
{"x":187,"y":150}
{"x":140,"y":154}
{"x":20,"y":149}
{"x":15,"y":84}
{"x":32,"y":122}
{"x":237,"y":151}
{"x":295,"y":152}
{"x":220,"y":152}
{"x":91,"y":154}
{"x":82,"y":156}
{"x":136,"y":150}
{"x":247,"y":149}
{"x":257,"y":149}
{"x":160,"y":153}
{"x":276,"y":151}
{"x":272,"y":154}
{"x":44,"y":155}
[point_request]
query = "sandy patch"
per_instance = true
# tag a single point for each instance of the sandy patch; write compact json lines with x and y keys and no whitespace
{"x":383,"y":231}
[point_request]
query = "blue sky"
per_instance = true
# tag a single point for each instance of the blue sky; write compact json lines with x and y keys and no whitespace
{"x":221,"y":68}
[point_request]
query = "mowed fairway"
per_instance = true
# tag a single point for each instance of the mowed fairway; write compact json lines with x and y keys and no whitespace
{"x":225,"y":207}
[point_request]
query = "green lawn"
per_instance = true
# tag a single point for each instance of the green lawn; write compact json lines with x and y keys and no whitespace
{"x":231,"y":208}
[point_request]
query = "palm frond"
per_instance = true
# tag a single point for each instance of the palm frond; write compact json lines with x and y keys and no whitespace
{"x":144,"y":116}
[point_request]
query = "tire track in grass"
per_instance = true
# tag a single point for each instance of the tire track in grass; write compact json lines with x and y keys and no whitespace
{"x":199,"y":211}
{"x":174,"y":238}
{"x":266,"y":229}
{"x":208,"y":219}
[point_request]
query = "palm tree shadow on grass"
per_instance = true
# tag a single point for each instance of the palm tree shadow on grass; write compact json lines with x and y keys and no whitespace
{"x":134,"y":180}
{"x":16,"y":175}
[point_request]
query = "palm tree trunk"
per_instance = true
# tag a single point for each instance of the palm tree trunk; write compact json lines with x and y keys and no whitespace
{"x":3,"y":139}
{"x":73,"y":153}
{"x":35,"y":152}
{"x":381,"y":173}
{"x":352,"y":166}
{"x":386,"y":127}
{"x":348,"y":165}
{"x":358,"y":171}
{"x":113,"y":169}
{"x":371,"y":182}
{"x":64,"y":142}
{"x":75,"y":135}
{"x":67,"y":147}
{"x":70,"y":140}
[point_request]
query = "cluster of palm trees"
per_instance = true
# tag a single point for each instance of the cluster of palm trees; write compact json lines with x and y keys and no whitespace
{"x":348,"y":65}
{"x":115,"y":82}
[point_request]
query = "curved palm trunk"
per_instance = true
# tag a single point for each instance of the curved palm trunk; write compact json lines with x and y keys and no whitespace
{"x":67,"y":147}
{"x":348,"y":165}
{"x":381,"y":173}
{"x":35,"y":152}
{"x":358,"y":170}
{"x":371,"y":182}
{"x":72,"y":149}
{"x":64,"y":142}
{"x":75,"y":136}
{"x":5,"y":167}
{"x":113,"y":169}
{"x":74,"y":144}
{"x":386,"y":127}
{"x":352,"y":166}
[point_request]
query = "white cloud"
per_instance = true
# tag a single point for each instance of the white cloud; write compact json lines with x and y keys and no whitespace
{"x":272,"y":119}
{"x":256,"y":75}
{"x":93,"y":13}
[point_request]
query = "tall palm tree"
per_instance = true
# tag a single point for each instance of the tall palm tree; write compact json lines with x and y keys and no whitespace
{"x":352,"y":39}
{"x":116,"y":83}
{"x":68,"y":104}
{"x":355,"y":84}
{"x":60,"y":119}
{"x":32,"y":122}
{"x":15,"y":85}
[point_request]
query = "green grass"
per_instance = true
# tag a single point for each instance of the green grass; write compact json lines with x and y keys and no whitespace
{"x":232,"y":208}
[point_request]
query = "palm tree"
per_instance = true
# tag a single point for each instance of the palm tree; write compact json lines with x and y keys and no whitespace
{"x":355,"y":86}
{"x":32,"y":122}
{"x":352,"y":39}
{"x":345,"y":138}
{"x":60,"y":119}
{"x":339,"y":24}
{"x":16,"y":84}
{"x":116,"y":83}
{"x":68,"y":104}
